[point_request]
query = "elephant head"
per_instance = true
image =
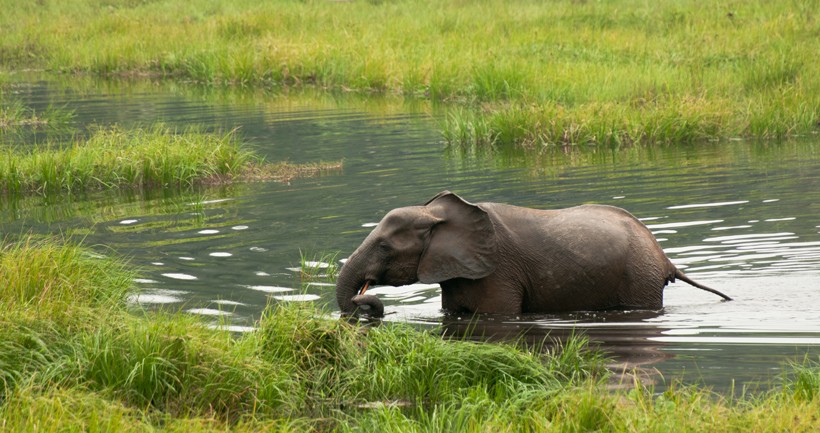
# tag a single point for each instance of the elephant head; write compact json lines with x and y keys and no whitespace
{"x":444,"y":239}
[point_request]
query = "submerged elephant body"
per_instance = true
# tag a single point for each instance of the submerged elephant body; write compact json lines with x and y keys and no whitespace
{"x":498,"y":258}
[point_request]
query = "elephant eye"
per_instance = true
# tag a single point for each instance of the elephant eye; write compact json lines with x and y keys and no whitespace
{"x":385,"y":247}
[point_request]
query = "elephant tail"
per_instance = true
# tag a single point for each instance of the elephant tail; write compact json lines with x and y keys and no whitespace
{"x":681,"y":276}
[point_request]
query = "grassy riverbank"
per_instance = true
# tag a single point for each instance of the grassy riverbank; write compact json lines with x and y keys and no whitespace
{"x":73,"y":359}
{"x":140,"y":158}
{"x":611,"y":73}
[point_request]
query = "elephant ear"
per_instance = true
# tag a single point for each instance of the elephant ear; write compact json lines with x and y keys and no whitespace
{"x":461,"y":245}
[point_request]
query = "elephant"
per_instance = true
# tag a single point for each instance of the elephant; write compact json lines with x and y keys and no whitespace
{"x":500,"y":258}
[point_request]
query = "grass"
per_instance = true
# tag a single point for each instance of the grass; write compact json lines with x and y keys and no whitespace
{"x":14,"y":114}
{"x":611,"y":73}
{"x":140,"y":158}
{"x":303,"y":371}
{"x":47,"y":277}
{"x":319,"y":266}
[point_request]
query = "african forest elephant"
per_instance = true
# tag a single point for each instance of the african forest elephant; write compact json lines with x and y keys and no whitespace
{"x":498,"y":258}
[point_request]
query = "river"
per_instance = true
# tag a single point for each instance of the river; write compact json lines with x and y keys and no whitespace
{"x":739,"y":216}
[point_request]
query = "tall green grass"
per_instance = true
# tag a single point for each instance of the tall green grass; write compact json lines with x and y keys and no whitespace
{"x":139,"y":158}
{"x":49,"y":277}
{"x":302,"y":370}
{"x":116,"y":157}
{"x":610,"y":73}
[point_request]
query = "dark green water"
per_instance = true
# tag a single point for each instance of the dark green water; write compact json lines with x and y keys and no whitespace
{"x":738,"y":216}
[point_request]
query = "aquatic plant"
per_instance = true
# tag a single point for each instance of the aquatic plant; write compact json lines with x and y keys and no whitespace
{"x":14,"y":113}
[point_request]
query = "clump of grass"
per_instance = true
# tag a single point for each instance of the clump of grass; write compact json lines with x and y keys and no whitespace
{"x":16,"y":114}
{"x":466,"y":128}
{"x":115,"y":157}
{"x":401,"y":364}
{"x":60,"y":409}
{"x":607,"y":125}
{"x":139,"y":158}
{"x":320,"y":266}
{"x":348,"y":366}
{"x":49,"y":276}
{"x":803,"y":381}
{"x":179,"y":367}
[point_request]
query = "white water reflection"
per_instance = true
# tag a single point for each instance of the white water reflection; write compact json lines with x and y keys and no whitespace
{"x":208,"y":312}
{"x":269,"y":289}
{"x":179,"y":276}
{"x":297,"y":298}
{"x":227,"y":302}
{"x":157,"y":296}
{"x":682,"y":224}
{"x":795,"y":341}
{"x":750,"y":237}
{"x":153,"y":298}
{"x":315,"y":265}
{"x":726,"y":203}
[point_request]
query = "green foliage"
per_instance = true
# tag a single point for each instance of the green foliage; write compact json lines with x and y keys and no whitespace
{"x":115,"y":157}
{"x":175,"y":365}
{"x":49,"y":276}
{"x":108,"y":370}
{"x":140,"y":158}
{"x":804,"y":380}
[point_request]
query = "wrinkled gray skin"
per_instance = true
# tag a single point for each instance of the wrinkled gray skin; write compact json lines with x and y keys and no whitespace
{"x":497,"y":258}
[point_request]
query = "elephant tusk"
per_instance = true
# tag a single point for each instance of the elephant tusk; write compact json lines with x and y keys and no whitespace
{"x":364,"y":288}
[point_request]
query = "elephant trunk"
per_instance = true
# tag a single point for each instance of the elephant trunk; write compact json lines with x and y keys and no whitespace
{"x":348,"y":283}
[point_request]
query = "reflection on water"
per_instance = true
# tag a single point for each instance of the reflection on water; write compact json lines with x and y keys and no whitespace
{"x":740,"y":217}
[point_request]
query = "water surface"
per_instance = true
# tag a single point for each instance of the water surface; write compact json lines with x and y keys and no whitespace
{"x":738,"y":216}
